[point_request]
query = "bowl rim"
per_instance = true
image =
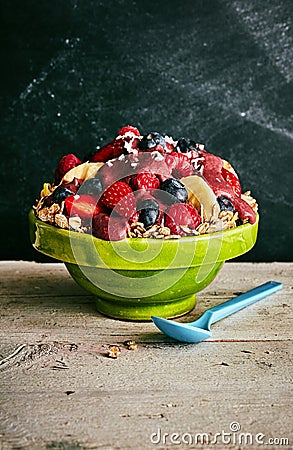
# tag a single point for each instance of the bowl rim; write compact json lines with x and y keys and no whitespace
{"x":234,"y":242}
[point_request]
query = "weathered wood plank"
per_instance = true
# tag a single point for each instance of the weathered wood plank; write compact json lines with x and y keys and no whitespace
{"x":187,"y":389}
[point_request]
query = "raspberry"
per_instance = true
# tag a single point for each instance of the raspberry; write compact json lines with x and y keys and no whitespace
{"x":145,"y":180}
{"x":232,"y":180}
{"x":128,"y":129}
{"x":109,"y":228}
{"x":108,"y":151}
{"x":66,"y":163}
{"x":179,"y":164}
{"x":181,"y":214}
{"x":120,"y":198}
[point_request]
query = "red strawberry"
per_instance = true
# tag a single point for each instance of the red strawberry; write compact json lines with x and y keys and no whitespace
{"x":181,"y":214}
{"x":120,"y":198}
{"x":232,"y":180}
{"x":82,"y":205}
{"x":66,"y":163}
{"x":108,"y":151}
{"x":128,"y":129}
{"x":179,"y":165}
{"x":109,"y":228}
{"x":145,"y":180}
{"x":100,"y":209}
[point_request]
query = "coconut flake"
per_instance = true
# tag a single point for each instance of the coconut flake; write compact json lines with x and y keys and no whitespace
{"x":170,"y":140}
{"x":128,"y":147}
{"x":157,"y":156}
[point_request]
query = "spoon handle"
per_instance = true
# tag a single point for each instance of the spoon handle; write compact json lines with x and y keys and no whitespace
{"x":235,"y":304}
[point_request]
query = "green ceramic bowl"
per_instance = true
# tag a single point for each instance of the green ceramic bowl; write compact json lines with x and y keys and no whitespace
{"x":136,"y":278}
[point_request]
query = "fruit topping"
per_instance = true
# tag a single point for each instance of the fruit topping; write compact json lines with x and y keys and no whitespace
{"x":145,"y":180}
{"x":81,"y":205}
{"x":60,"y":194}
{"x":82,"y":172}
{"x":66,"y":163}
{"x":225,"y":204}
{"x":182,"y":217}
{"x":179,"y":165}
{"x":127,"y":166}
{"x":201,"y":196}
{"x":91,"y":186}
{"x":233,"y":180}
{"x":127,"y":130}
{"x":186,"y":145}
{"x":120,"y":198}
{"x":149,"y":212}
{"x":109,"y":228}
{"x":151,"y":141}
{"x":176,"y":191}
{"x":109,"y":151}
{"x":213,"y":173}
{"x":73,"y":185}
{"x":146,"y":186}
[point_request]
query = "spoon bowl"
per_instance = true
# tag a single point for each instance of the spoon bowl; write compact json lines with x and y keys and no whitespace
{"x":199,"y":330}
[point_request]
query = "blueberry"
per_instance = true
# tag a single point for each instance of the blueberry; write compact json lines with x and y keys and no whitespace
{"x":149,"y":212}
{"x":147,"y":203}
{"x":225,"y":204}
{"x":185,"y":145}
{"x":60,"y":194}
{"x":148,"y":216}
{"x":92,"y":186}
{"x":176,"y":190}
{"x":150,"y":140}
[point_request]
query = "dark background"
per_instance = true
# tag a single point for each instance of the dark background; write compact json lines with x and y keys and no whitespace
{"x":220,"y":72}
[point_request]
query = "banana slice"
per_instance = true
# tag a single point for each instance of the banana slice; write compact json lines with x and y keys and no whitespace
{"x":82,"y":172}
{"x":228,"y":167}
{"x":202,"y":197}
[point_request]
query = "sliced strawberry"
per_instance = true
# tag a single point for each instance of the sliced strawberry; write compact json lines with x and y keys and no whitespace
{"x":181,"y":214}
{"x":66,"y":163}
{"x":119,"y":197}
{"x":179,"y":165}
{"x":128,"y":129}
{"x":81,"y":205}
{"x":109,"y":228}
{"x":232,"y":180}
{"x":145,"y":180}
{"x":108,"y":151}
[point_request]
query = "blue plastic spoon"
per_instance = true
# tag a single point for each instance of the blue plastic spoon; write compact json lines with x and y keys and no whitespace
{"x":199,"y":330}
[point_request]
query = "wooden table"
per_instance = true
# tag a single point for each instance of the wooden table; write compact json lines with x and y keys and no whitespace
{"x":60,"y":390}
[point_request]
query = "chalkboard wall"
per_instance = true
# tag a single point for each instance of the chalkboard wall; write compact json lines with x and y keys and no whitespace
{"x":219,"y":71}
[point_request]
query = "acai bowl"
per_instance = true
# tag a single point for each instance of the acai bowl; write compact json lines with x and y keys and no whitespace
{"x":144,"y":223}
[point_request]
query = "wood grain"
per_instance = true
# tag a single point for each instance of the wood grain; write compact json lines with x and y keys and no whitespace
{"x":59,"y":390}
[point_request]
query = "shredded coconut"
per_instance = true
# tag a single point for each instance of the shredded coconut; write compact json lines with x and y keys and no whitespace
{"x":157,"y":156}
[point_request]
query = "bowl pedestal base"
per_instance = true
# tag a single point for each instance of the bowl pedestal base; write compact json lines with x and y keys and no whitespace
{"x":144,"y":311}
